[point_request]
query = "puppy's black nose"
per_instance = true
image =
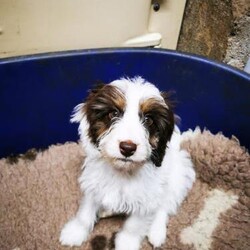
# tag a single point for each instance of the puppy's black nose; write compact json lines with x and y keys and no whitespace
{"x":127,"y":148}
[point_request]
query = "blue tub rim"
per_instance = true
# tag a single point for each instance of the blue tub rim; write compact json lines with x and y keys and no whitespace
{"x":69,"y":53}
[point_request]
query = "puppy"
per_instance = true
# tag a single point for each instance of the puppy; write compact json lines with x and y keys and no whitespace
{"x":133,"y":164}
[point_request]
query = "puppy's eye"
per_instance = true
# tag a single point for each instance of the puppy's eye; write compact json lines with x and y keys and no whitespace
{"x":147,"y":120}
{"x":114,"y":114}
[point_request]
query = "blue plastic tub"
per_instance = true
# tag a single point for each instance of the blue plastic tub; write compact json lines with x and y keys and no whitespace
{"x":38,"y":93}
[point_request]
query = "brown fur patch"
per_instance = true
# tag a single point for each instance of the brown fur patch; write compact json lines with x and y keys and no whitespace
{"x":101,"y":102}
{"x":30,"y":155}
{"x":99,"y":242}
{"x":160,"y":127}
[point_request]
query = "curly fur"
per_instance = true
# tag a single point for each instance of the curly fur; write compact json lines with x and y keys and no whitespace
{"x":148,"y":184}
{"x":39,"y":192}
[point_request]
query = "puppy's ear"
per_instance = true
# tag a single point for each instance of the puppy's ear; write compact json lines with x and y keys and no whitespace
{"x":168,"y":99}
{"x":172,"y":119}
{"x":165,"y":131}
{"x":96,"y":87}
{"x":79,"y":111}
{"x":171,"y":103}
{"x":164,"y":136}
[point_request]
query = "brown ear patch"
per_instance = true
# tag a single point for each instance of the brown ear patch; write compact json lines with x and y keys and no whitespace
{"x":160,"y":128}
{"x":98,"y":105}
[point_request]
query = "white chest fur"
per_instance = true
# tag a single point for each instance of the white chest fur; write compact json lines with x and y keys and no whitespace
{"x":139,"y":193}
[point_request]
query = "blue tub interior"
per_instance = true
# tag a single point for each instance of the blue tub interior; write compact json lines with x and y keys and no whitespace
{"x":38,"y":93}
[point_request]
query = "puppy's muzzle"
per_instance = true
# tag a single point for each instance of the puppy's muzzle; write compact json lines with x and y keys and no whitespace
{"x":127,"y":148}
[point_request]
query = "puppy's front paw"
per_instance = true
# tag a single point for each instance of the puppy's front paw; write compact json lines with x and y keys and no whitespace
{"x":73,"y":233}
{"x":157,"y":236}
{"x":127,"y":241}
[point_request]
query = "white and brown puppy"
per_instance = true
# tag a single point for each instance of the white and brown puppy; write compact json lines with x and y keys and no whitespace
{"x":133,"y":163}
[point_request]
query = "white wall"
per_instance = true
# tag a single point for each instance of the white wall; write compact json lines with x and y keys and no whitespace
{"x":35,"y":26}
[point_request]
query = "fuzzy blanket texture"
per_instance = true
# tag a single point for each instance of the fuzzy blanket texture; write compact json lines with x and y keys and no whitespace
{"x":40,"y":193}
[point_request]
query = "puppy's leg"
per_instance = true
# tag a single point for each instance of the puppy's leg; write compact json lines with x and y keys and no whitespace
{"x":134,"y":230}
{"x":76,"y":231}
{"x":158,"y":229}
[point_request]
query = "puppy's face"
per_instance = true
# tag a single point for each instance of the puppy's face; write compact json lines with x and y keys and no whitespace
{"x":130,"y":122}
